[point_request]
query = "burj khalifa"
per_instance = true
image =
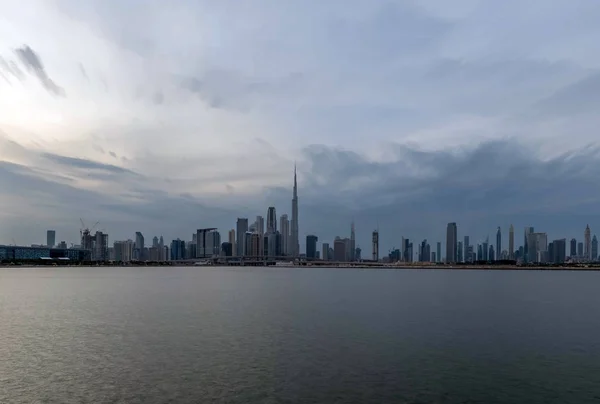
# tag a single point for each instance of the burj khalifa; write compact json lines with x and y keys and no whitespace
{"x":294,"y":244}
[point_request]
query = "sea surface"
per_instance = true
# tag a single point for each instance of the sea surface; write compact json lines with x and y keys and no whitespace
{"x":286,"y":335}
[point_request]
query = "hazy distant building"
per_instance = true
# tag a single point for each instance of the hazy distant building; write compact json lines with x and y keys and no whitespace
{"x":352,"y":243}
{"x":339,"y":250}
{"x":558,"y":255}
{"x":573,"y":249}
{"x":451,"y":243}
{"x":459,"y":249}
{"x":241,"y":230}
{"x":498,"y":243}
{"x":375,"y":243}
{"x":594,"y":248}
{"x":438,"y":251}
{"x":271,"y":220}
{"x":50,"y":238}
{"x":528,"y":231}
{"x":233,"y":242}
{"x":100,"y":251}
{"x":284,"y":229}
{"x":208,"y":243}
{"x":466,"y":249}
{"x":491,"y":254}
{"x":587,"y":246}
{"x":139,"y":247}
{"x":311,"y":246}
{"x":511,"y":242}
{"x":325,"y":253}
{"x":537,"y":245}
{"x":123,"y":250}
{"x":294,"y":237}
{"x":226,"y":249}
{"x":580,"y":250}
{"x":178,"y":250}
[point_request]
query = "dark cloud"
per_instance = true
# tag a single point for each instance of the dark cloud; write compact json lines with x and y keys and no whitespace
{"x":34,"y":64}
{"x":112,"y":154}
{"x":86,"y":164}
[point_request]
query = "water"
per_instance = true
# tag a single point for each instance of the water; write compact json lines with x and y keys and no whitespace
{"x":266,"y":335}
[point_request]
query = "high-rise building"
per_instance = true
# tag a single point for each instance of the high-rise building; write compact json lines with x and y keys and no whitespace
{"x":528,"y":231}
{"x":537,"y":245}
{"x":466,"y":249}
{"x":226,"y":249}
{"x":559,"y":250}
{"x":139,"y":247}
{"x":50,"y":238}
{"x":208,"y":242}
{"x":486,"y":250}
{"x":311,"y":246}
{"x":491,"y":254}
{"x":259,"y":225}
{"x":573,"y":249}
{"x":233,"y":242}
{"x":438,"y":251}
{"x":271,"y":220}
{"x":580,"y":250}
{"x":177,"y":250}
{"x":155,"y":242}
{"x":295,"y":251}
{"x":511,"y":242}
{"x":459,"y":250}
{"x":498,"y":249}
{"x":325,"y":252}
{"x":375,"y":242}
{"x":100,"y":251}
{"x":123,"y":250}
{"x":284,"y":229}
{"x":594,"y":248}
{"x":352,"y":243}
{"x":241,"y":230}
{"x":451,"y":240}
{"x":339,"y":250}
{"x":587,"y":247}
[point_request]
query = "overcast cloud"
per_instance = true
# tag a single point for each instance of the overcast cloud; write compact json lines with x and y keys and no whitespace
{"x":402,"y":115}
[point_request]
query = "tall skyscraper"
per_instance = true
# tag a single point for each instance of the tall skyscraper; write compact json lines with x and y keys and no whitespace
{"x":271,"y":220}
{"x":50,"y":238}
{"x":241,"y":229}
{"x":438,"y":250}
{"x":511,"y":242}
{"x":459,"y":252}
{"x":284,"y":229}
{"x":498,"y":243}
{"x":594,"y":248}
{"x":587,"y":240}
{"x":295,"y":251}
{"x":259,"y":225}
{"x":139,"y":246}
{"x":573,"y":249}
{"x":375,"y":240}
{"x":528,"y":231}
{"x":352,"y":243}
{"x":233,"y":242}
{"x":451,"y":240}
{"x":208,"y":243}
{"x":580,"y":249}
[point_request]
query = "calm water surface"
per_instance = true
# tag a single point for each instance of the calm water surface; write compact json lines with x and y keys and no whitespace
{"x":179,"y":335}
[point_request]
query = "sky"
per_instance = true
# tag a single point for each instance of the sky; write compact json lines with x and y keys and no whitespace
{"x":165,"y":117}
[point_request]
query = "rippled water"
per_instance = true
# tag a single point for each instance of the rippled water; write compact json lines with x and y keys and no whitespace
{"x":258,"y":335}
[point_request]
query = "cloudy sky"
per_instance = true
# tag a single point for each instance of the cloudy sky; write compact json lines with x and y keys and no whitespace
{"x":164,"y":117}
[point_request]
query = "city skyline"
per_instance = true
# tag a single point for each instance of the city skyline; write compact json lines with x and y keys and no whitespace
{"x":407,"y":114}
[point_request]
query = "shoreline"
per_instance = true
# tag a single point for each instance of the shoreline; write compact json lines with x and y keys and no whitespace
{"x":595,"y":267}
